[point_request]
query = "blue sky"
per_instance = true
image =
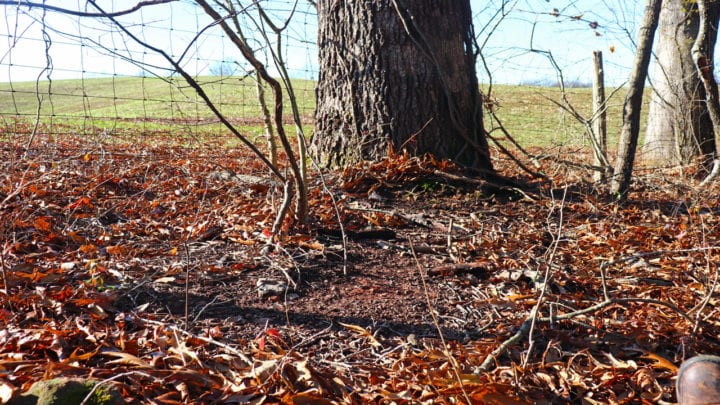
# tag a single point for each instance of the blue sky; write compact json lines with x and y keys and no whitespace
{"x":563,"y":29}
{"x":560,"y":28}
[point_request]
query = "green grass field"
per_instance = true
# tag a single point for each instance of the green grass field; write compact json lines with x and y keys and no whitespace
{"x":154,"y":104}
{"x":135,"y":97}
{"x":148,"y":105}
{"x":533,"y":119}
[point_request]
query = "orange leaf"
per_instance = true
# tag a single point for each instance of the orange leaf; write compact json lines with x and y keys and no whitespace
{"x":75,"y":237}
{"x":115,"y":250}
{"x":496,"y":394}
{"x":42,"y":224}
{"x":518,"y":297}
{"x":310,"y":397}
{"x":81,"y":202}
{"x":81,"y":357}
{"x":660,"y":362}
{"x":90,"y":248}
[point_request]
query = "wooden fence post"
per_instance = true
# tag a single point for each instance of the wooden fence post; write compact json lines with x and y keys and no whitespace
{"x":599,"y":123}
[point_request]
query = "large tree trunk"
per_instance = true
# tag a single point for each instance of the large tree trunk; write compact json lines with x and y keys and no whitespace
{"x":400,"y":74}
{"x":630,"y":132}
{"x":678,"y":127}
{"x":702,"y":55}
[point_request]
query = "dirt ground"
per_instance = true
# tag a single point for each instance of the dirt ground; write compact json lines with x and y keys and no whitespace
{"x":400,"y":265}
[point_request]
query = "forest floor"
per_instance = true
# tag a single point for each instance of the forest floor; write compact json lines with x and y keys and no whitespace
{"x":149,"y":268}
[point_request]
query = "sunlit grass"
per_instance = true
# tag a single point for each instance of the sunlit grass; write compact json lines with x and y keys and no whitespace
{"x":170,"y":106}
{"x":533,"y":119}
{"x":141,"y":98}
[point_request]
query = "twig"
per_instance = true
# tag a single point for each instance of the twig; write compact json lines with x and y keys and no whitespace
{"x":45,"y":70}
{"x":392,"y":213}
{"x":713,"y":174}
{"x":451,"y":359}
{"x":525,"y":327}
{"x":603,"y":281}
{"x":187,"y":285}
{"x":247,"y":52}
{"x":281,"y":65}
{"x":706,"y":300}
{"x":413,"y":136}
{"x":617,"y":301}
{"x":504,"y":184}
{"x":336,"y":209}
{"x":215,"y":298}
{"x":3,"y":266}
{"x":282,"y":211}
{"x":20,"y":187}
{"x":546,"y":278}
{"x":289,"y":279}
{"x":641,"y":255}
{"x":509,"y":154}
{"x":227,"y":348}
{"x":450,"y":241}
{"x":267,"y":122}
{"x":310,"y":340}
{"x":76,"y":13}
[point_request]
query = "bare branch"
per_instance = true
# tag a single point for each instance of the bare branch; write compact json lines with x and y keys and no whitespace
{"x":191,"y":81}
{"x":48,"y":7}
{"x":278,"y":102}
{"x":525,"y":326}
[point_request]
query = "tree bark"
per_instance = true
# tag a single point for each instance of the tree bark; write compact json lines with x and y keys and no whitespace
{"x":630,"y":132}
{"x":703,"y":61}
{"x":400,"y":75}
{"x":678,"y":127}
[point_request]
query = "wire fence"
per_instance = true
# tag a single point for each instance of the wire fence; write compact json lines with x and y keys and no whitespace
{"x":64,"y":73}
{"x":83,"y":74}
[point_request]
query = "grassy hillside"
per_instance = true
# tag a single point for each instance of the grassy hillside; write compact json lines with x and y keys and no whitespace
{"x":528,"y":113}
{"x":136,"y":97}
{"x":532,"y":116}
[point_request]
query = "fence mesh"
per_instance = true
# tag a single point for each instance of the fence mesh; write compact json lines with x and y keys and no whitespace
{"x":80,"y":74}
{"x":83,"y":74}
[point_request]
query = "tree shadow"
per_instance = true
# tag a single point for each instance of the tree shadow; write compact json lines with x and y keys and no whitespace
{"x":250,"y":320}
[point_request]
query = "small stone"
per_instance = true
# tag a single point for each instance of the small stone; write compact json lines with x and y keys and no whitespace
{"x":269,"y":287}
{"x":63,"y":390}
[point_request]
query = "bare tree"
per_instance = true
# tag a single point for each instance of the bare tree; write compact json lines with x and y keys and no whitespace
{"x":630,"y":132}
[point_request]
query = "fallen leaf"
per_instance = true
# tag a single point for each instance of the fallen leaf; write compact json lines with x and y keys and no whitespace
{"x":6,"y":392}
{"x":126,"y":359}
{"x":660,"y":362}
{"x":363,"y":332}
